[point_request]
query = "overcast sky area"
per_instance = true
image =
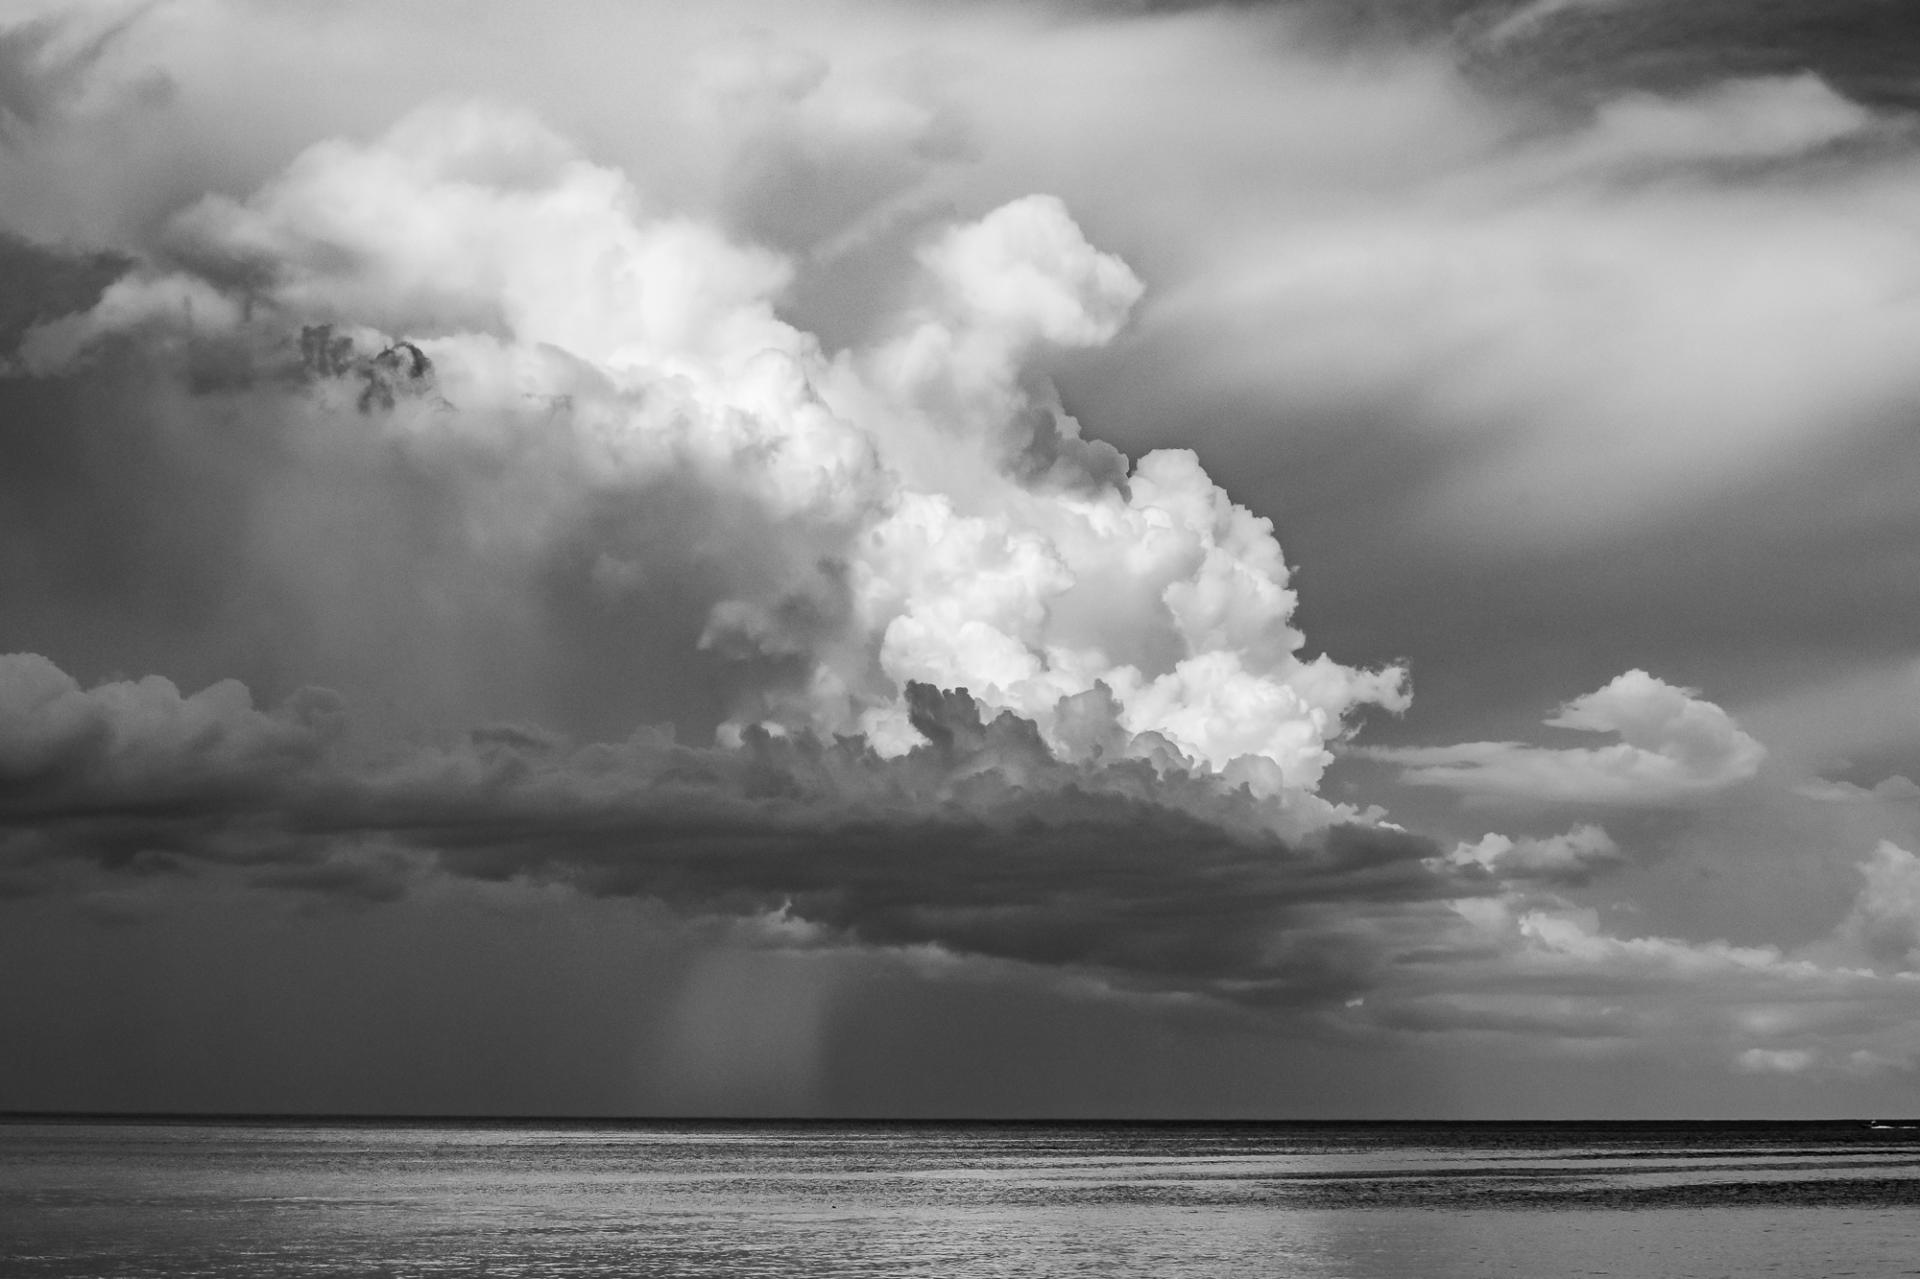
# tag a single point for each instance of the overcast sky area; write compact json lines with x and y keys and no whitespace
{"x":888,"y":558}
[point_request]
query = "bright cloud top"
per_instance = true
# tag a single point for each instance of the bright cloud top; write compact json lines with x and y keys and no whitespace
{"x":1673,"y":747}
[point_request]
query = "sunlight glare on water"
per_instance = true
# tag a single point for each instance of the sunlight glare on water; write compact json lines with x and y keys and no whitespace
{"x":1363,"y":1201}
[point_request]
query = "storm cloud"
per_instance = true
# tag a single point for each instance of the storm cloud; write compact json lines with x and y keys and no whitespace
{"x":979,"y":841}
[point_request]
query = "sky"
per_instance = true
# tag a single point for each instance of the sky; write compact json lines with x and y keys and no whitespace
{"x":880,"y":558}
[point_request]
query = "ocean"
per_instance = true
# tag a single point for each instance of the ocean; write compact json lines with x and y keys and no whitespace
{"x":100,"y":1197}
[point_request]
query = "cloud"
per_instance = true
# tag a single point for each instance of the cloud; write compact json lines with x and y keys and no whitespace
{"x":1586,"y":318}
{"x":919,"y":510}
{"x":1528,"y":968}
{"x":1594,"y":316}
{"x":1884,"y":923}
{"x":1529,"y":965}
{"x":981,"y":841}
{"x":60,"y":743}
{"x":1888,"y":790}
{"x":1569,"y":858}
{"x":46,"y":285}
{"x":1104,"y":861}
{"x":1735,"y":120}
{"x":1674,"y":747}
{"x":467,"y":218}
{"x":810,"y":150}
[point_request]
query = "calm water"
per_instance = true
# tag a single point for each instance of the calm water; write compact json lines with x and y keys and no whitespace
{"x":1362,"y":1200}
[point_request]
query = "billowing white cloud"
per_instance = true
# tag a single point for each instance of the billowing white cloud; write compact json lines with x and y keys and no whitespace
{"x":1673,"y":747}
{"x":471,"y":219}
{"x":940,"y":518}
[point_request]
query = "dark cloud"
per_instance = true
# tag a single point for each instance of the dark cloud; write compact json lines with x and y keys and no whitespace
{"x":68,"y":750}
{"x":43,"y":284}
{"x":980,"y":842}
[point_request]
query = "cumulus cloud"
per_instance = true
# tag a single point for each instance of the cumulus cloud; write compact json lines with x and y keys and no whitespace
{"x":60,"y":742}
{"x":1673,"y":747}
{"x":1570,"y":857}
{"x":925,"y":511}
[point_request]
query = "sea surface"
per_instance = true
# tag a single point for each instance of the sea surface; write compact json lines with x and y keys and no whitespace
{"x":303,"y":1198}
